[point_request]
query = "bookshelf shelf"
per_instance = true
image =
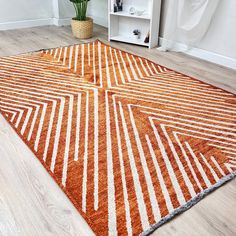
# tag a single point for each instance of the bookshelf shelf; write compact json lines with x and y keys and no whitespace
{"x":122,"y":23}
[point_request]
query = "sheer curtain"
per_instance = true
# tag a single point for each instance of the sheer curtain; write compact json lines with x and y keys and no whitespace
{"x":187,"y":21}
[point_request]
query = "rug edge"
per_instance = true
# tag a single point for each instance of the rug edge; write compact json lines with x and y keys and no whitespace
{"x":189,"y":204}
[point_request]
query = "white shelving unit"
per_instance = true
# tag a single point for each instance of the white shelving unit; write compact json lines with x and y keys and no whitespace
{"x":122,"y":24}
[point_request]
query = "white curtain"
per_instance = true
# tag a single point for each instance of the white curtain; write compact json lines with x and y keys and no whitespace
{"x":187,"y":21}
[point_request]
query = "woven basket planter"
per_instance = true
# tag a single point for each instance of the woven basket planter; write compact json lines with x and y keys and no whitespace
{"x":82,"y":29}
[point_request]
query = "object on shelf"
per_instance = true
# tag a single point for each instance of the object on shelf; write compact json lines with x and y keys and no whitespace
{"x":119,"y":4}
{"x":137,"y":33}
{"x":115,"y":8}
{"x":146,"y":40}
{"x":139,"y":13}
{"x":132,"y":11}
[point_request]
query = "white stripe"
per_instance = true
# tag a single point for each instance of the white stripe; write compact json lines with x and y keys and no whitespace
{"x":82,"y":69}
{"x":159,"y":67}
{"x":217,"y":166}
{"x":59,"y":58}
{"x":65,"y":54}
{"x":210,"y":168}
{"x":123,"y":178}
{"x":100,"y":63}
{"x":233,"y":153}
{"x":185,"y":101}
{"x":46,"y":71}
{"x":150,"y":70}
{"x":96,"y":137}
{"x":76,"y":58}
{"x":25,"y":84}
{"x":233,"y":162}
{"x":144,"y":68}
{"x":77,"y":134}
{"x":137,"y":67}
{"x":229,"y":167}
{"x":107,"y":69}
{"x":132,"y":68}
{"x":148,"y":178}
{"x":164,"y":190}
{"x":188,"y":161}
{"x":199,"y":166}
{"x":157,"y":96}
{"x":52,"y":115}
{"x":68,"y":137}
{"x":184,"y":106}
{"x":85,"y":174}
{"x":137,"y":185}
{"x":94,"y":66}
{"x":35,"y":114}
{"x":169,"y":167}
{"x":40,"y":126}
{"x":125,"y":67}
{"x":29,"y":112}
{"x":192,"y":116}
{"x":179,"y":163}
{"x":155,"y":69}
{"x":70,"y":57}
{"x":192,"y":126}
{"x":58,"y":133}
{"x":19,"y":111}
{"x":8,"y":111}
{"x":196,"y":136}
{"x":19,"y":118}
{"x":19,"y":104}
{"x":110,"y":177}
{"x":222,"y":147}
{"x":119,"y":67}
{"x":89,"y":63}
{"x":56,"y":52}
{"x":162,"y":86}
{"x":113,"y":67}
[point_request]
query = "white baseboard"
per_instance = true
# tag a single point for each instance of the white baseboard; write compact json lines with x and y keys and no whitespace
{"x":41,"y":22}
{"x":61,"y":22}
{"x":66,"y":21}
{"x":25,"y":24}
{"x":100,"y":21}
{"x":204,"y":54}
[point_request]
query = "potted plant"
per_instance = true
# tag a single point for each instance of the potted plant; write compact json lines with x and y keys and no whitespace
{"x":137,"y":33}
{"x":82,"y":26}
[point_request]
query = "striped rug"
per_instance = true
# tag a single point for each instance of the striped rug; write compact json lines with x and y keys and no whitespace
{"x":130,"y":142}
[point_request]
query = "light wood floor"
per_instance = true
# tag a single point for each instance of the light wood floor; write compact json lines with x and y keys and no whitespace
{"x":31,"y":204}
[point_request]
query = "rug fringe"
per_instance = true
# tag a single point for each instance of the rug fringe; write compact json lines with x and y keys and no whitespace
{"x":189,"y":204}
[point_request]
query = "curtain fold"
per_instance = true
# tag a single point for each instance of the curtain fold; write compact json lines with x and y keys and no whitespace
{"x":187,"y":22}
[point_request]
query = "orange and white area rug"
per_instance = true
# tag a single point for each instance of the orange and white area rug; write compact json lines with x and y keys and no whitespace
{"x":130,"y":142}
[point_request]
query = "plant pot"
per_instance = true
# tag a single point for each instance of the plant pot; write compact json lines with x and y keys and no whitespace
{"x":82,"y":29}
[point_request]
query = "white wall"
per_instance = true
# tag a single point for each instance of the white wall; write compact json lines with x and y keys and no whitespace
{"x":12,"y":12}
{"x":97,"y":9}
{"x":29,"y":13}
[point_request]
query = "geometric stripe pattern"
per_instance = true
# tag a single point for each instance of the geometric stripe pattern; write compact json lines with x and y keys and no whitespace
{"x":127,"y":140}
